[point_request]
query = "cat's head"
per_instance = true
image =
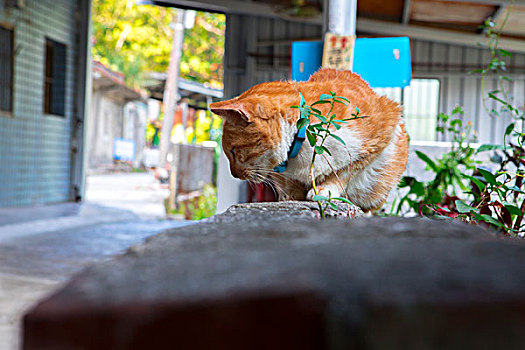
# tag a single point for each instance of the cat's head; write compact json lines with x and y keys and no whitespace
{"x":252,"y":136}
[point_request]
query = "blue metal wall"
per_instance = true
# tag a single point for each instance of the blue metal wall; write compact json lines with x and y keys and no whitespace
{"x":35,"y":160}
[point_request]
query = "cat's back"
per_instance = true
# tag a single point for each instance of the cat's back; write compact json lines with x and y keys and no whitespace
{"x":341,"y":82}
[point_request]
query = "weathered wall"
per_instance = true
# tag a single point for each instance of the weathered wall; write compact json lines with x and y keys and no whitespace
{"x":110,"y":119}
{"x":105,"y":124}
{"x":135,"y":118}
{"x":35,"y":148}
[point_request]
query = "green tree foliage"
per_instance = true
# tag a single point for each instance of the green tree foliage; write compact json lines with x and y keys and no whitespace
{"x":203,"y":49}
{"x":136,"y":40}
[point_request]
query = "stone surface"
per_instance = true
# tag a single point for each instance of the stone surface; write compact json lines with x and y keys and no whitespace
{"x":284,"y":211}
{"x":262,"y":282}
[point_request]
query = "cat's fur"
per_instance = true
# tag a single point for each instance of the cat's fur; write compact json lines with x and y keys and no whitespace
{"x":260,"y":127}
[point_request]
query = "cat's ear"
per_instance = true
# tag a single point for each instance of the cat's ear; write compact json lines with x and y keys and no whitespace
{"x":232,"y":110}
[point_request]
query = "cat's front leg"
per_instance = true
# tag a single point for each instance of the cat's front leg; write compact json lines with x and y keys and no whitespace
{"x":288,"y":189}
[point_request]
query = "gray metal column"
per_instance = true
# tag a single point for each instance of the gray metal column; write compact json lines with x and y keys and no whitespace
{"x":82,"y":95}
{"x":341,"y":16}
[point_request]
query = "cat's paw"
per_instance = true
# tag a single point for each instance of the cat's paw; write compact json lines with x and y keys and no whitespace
{"x":323,"y":191}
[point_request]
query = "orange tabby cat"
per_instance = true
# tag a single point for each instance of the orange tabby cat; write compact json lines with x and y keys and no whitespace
{"x":260,"y":127}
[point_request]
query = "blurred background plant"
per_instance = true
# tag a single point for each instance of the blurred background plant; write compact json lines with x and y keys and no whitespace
{"x":200,"y":207}
{"x":448,"y":169}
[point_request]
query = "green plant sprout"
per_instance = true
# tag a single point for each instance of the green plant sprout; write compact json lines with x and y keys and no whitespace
{"x":317,"y":134}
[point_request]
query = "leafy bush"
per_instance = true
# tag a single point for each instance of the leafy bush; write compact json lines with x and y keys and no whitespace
{"x":448,"y":169}
{"x":496,"y":199}
{"x":201,"y":207}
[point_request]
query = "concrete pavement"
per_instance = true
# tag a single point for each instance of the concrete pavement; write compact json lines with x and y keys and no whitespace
{"x":41,"y":247}
{"x":138,"y":193}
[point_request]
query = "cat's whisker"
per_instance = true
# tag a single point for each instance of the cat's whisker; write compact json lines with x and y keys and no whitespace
{"x":275,"y":188}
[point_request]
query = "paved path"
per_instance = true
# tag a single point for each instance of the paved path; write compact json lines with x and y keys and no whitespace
{"x":41,"y":247}
{"x":139,"y":193}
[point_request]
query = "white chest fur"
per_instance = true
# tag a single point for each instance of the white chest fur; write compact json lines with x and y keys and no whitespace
{"x":342,"y":155}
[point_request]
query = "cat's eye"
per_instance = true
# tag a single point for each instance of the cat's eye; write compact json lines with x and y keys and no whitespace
{"x":233,"y":153}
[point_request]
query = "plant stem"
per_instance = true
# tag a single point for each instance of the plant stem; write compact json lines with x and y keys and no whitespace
{"x":316,"y":191}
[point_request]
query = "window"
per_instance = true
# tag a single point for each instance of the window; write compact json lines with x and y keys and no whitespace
{"x":420,"y":103}
{"x":420,"y":108}
{"x":6,"y":70}
{"x":55,"y":78}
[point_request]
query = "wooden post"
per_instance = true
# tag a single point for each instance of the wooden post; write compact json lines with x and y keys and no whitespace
{"x":173,"y":177}
{"x":172,"y":87}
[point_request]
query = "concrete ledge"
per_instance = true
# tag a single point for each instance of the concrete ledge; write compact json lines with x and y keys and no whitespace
{"x":283,"y":211}
{"x":368,"y":283}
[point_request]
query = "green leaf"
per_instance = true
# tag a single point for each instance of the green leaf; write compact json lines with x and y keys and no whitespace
{"x":303,"y":100}
{"x":311,"y":138}
{"x":512,"y":209}
{"x":406,"y":181}
{"x":315,"y":110}
{"x":326,"y":150}
{"x":320,"y":102}
{"x":427,"y":160}
{"x":325,"y":97}
{"x":344,"y":99}
{"x":322,"y":118}
{"x":516,"y":189}
{"x":458,"y":110}
{"x":333,"y":206}
{"x":338,"y":138}
{"x":504,"y":52}
{"x":479,"y":70}
{"x":491,"y":220}
{"x":417,"y":188}
{"x":305,"y":113}
{"x":455,"y":122}
{"x":479,"y":184}
{"x":319,"y":149}
{"x":336,"y":126}
{"x":463,"y":207}
{"x":301,"y":123}
{"x":489,"y":147}
{"x":509,"y":129}
{"x":489,"y":177}
{"x":319,"y":198}
{"x":444,"y":117}
{"x":319,"y":126}
{"x":494,"y":97}
{"x":342,"y":199}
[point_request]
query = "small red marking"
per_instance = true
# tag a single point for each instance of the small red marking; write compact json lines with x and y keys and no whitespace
{"x":343,"y":42}
{"x":333,"y":40}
